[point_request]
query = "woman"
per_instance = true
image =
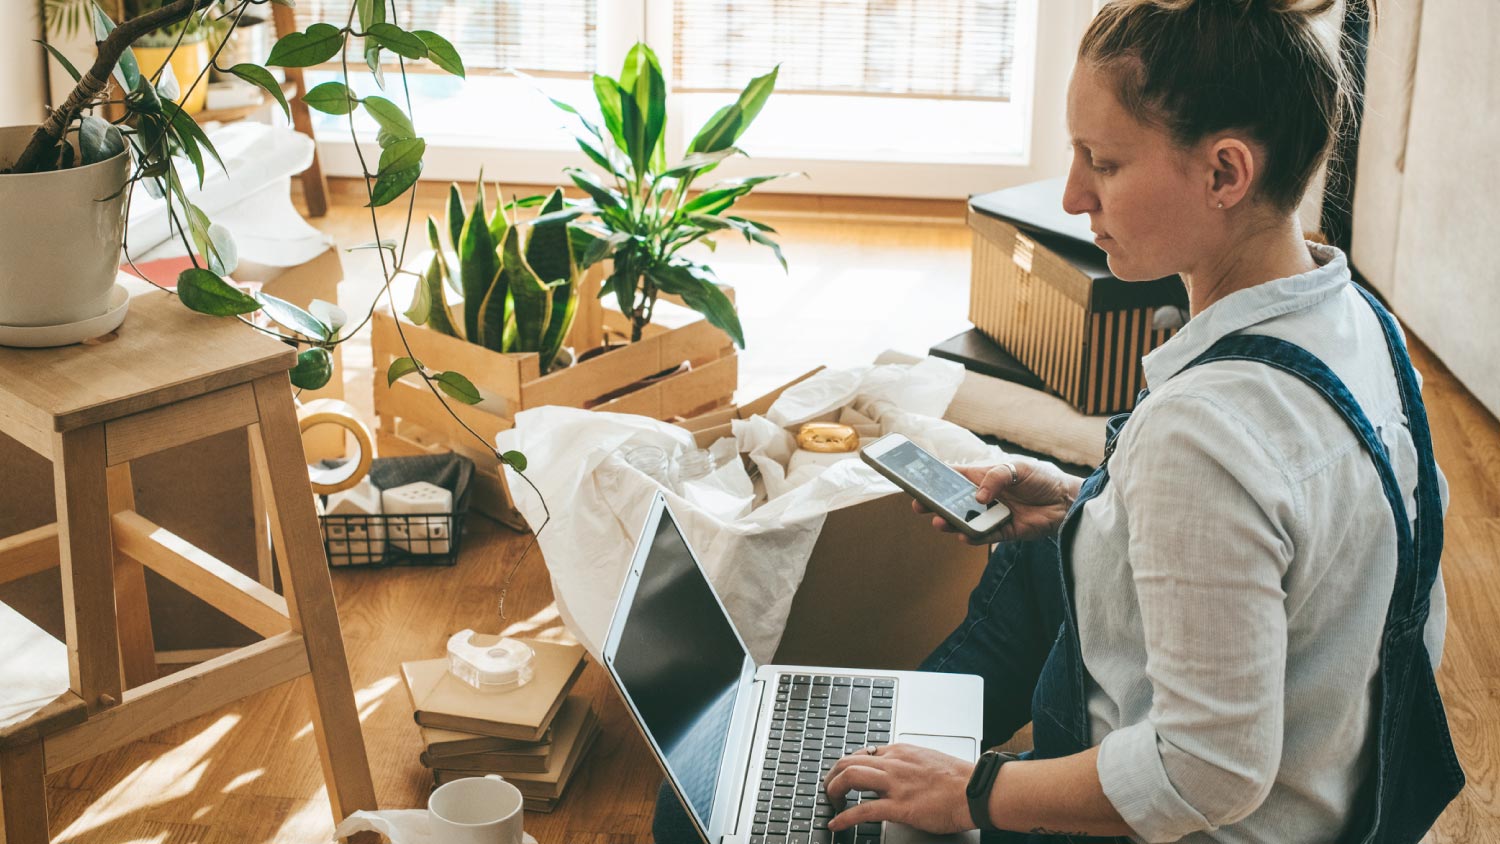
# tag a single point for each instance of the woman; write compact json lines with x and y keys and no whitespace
{"x":1227,"y":632}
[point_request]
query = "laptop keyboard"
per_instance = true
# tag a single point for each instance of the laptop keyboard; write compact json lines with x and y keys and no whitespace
{"x":818,"y":720}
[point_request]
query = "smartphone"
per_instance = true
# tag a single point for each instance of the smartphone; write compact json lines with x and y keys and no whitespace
{"x":935,"y":484}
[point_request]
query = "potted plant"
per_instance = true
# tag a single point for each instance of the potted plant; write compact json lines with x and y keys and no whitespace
{"x":74,"y":173}
{"x":646,"y":211}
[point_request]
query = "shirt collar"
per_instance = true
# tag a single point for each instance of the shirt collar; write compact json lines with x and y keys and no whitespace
{"x":1244,"y":308}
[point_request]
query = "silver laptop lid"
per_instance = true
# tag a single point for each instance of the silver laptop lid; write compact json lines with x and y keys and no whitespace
{"x":683,"y":670}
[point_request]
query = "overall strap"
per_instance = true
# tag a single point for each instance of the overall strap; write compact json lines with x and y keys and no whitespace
{"x":1429,"y":526}
{"x":1295,"y":360}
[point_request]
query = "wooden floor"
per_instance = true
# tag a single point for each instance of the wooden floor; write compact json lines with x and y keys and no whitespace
{"x":249,"y":773}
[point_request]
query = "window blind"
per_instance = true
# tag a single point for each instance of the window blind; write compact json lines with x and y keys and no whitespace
{"x":941,"y":49}
{"x":557,"y":37}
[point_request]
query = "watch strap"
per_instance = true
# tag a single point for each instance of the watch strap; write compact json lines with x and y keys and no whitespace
{"x":981,"y":783}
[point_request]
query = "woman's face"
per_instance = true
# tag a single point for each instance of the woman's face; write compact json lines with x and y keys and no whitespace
{"x":1147,"y":200}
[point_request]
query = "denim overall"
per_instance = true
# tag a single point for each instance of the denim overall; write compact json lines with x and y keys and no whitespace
{"x":1026,"y":593}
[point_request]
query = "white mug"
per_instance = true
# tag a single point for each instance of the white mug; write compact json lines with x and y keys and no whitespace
{"x":476,"y":810}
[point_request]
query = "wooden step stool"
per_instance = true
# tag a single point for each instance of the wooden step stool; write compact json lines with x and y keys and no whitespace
{"x":168,"y":377}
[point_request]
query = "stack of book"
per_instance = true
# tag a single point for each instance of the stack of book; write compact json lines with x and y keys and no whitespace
{"x":534,"y":736}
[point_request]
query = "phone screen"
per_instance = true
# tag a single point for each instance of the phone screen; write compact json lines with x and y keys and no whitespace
{"x":948,"y":488}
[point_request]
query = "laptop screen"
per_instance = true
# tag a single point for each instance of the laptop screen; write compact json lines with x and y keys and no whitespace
{"x":679,"y":662}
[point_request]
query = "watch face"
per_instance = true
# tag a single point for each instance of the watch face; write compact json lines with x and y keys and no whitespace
{"x":979,"y":781}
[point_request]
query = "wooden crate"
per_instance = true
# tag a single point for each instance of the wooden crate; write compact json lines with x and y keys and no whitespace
{"x":1059,"y":312}
{"x":413,"y":421}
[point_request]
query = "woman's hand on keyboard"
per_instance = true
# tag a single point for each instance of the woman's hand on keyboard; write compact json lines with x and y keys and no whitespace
{"x":1038,"y":495}
{"x":913,"y":785}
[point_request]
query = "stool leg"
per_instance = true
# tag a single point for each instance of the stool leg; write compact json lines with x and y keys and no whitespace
{"x":137,"y":644}
{"x":84,"y":540}
{"x":23,"y":794}
{"x":309,"y":593}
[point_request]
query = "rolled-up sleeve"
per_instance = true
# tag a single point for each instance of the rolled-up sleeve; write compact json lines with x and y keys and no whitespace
{"x":1206,"y":506}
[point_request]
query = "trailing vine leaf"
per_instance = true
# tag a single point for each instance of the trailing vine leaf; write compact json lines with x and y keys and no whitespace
{"x":331,"y":98}
{"x":127,"y":71}
{"x":98,"y":140}
{"x":401,"y":155}
{"x":420,"y":308}
{"x":206,"y":293}
{"x":399,"y":368}
{"x":321,"y":42}
{"x":393,"y":122}
{"x":259,"y":76}
{"x":391,"y":185}
{"x":439,"y":317}
{"x":398,"y":40}
{"x":441,"y":52}
{"x":332,"y":316}
{"x":515,"y":459}
{"x":313,"y":370}
{"x":458,"y":387}
{"x":292,"y":317}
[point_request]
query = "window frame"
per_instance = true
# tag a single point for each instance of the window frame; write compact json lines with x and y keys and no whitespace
{"x":1059,"y":24}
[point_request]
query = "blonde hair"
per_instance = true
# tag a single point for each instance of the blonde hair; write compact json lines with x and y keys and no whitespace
{"x":1199,"y":67}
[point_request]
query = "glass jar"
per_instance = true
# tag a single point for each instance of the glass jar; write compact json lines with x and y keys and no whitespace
{"x":650,"y":461}
{"x":693,"y":465}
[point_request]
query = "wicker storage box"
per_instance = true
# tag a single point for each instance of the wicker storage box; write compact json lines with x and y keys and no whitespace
{"x":1049,"y":299}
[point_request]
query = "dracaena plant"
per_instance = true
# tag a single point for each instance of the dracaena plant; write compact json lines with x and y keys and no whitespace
{"x":647,"y":211}
{"x":518,"y":278}
{"x":162,"y":140}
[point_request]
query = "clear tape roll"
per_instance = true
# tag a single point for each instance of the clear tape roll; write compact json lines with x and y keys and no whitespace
{"x":340,"y":413}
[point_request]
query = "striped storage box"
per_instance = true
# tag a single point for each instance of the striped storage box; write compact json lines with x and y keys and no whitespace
{"x":1051,"y":302}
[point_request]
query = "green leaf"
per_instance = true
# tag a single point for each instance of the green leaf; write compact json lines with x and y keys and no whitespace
{"x":633,"y":125}
{"x":439,"y":317}
{"x":588,"y":249}
{"x":398,"y":40}
{"x":188,"y":128}
{"x":724,"y":194}
{"x":457,"y":216}
{"x":314,"y":368}
{"x":420,"y":308}
{"x":98,"y":140}
{"x":599,"y":156}
{"x":331,"y":98}
{"x":754,"y":97}
{"x":61,"y":59}
{"x":699,"y":292}
{"x":257,"y":75}
{"x":369,"y":12}
{"x":548,"y":250}
{"x":383,"y":243}
{"x":372,"y":61}
{"x":213,"y":242}
{"x":458,"y":387}
{"x":622,"y":283}
{"x":167,"y":87}
{"x":402,"y":155}
{"x":441,"y":52}
{"x":641,"y":80}
{"x":330,"y":315}
{"x":400,"y":367}
{"x":607,"y":91}
{"x":720,"y":131}
{"x":478,"y":269}
{"x":393,"y":122}
{"x":515,"y":459}
{"x":207,"y":293}
{"x":533,"y":300}
{"x":389,"y":186}
{"x":604,"y":197}
{"x":144,"y":99}
{"x":292,"y":317}
{"x":321,"y":42}
{"x":127,"y":71}
{"x":698,"y":161}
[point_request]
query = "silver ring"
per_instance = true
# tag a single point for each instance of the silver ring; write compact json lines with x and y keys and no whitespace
{"x":870,"y":751}
{"x":1015,"y":476}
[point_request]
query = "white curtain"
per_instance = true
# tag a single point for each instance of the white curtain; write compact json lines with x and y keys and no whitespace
{"x":21,"y":63}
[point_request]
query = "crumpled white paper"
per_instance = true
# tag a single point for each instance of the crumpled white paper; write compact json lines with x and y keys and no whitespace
{"x":755,"y":559}
{"x":401,"y":826}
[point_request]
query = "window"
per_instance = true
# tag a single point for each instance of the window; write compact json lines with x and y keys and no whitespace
{"x":926,"y":98}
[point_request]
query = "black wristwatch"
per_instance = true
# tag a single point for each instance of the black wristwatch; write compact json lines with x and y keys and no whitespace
{"x":981,"y":782}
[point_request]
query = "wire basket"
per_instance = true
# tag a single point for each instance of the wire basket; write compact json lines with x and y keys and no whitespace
{"x":406,"y":539}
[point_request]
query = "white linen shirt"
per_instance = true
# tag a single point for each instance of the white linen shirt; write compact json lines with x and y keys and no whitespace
{"x":1232,"y":579}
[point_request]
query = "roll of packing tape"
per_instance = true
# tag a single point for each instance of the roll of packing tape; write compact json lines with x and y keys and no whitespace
{"x":342,"y":414}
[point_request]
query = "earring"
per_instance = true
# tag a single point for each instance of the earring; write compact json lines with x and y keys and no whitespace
{"x":1221,"y":206}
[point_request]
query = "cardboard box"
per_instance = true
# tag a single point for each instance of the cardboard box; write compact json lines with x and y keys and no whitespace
{"x":873,"y":561}
{"x":413,"y":421}
{"x":1051,"y":301}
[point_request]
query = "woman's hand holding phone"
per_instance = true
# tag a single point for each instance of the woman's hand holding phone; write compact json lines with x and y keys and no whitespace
{"x":1038,"y":495}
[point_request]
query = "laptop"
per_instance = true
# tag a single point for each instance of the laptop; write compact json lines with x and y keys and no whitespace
{"x":745,"y":746}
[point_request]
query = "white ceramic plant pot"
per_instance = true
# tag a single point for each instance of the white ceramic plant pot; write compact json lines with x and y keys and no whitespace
{"x":59,"y":244}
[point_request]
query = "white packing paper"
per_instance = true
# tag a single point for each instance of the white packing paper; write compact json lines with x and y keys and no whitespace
{"x":755,"y":559}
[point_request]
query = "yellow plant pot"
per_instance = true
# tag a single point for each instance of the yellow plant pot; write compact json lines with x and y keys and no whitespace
{"x":187,"y":63}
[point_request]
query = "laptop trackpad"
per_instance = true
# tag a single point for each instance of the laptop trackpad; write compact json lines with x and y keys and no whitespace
{"x":964,"y":747}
